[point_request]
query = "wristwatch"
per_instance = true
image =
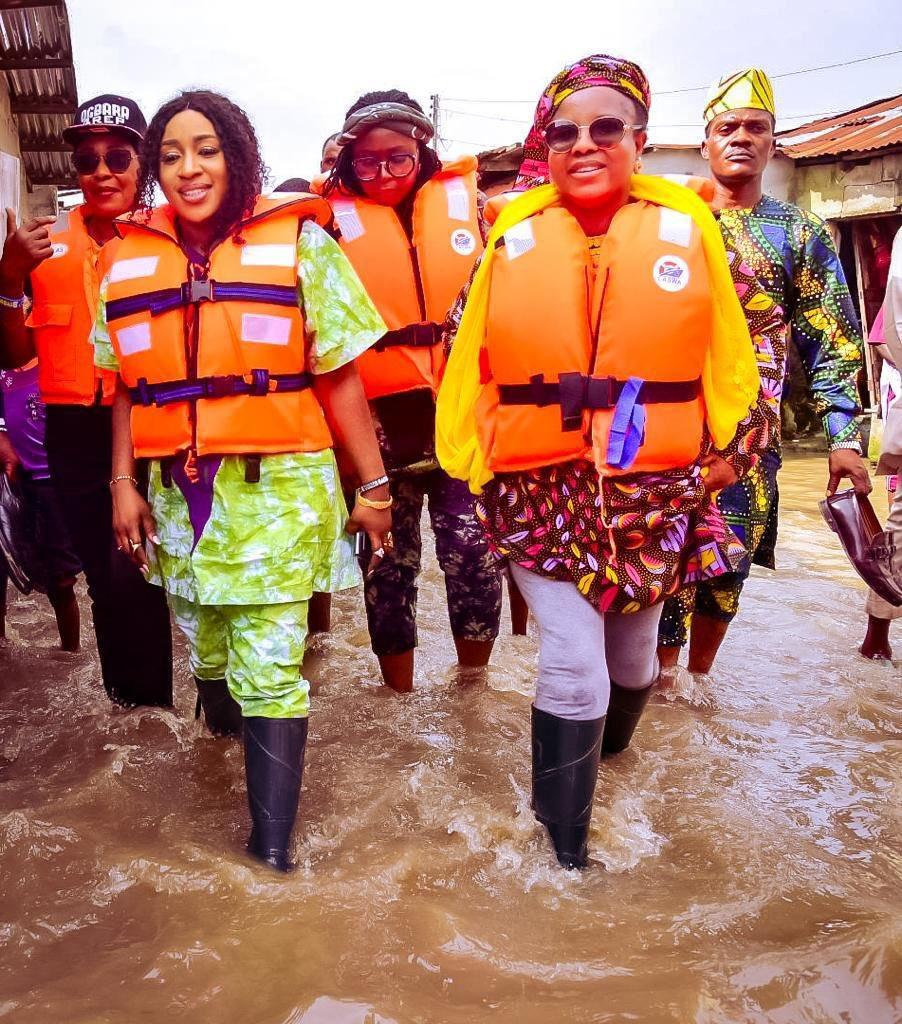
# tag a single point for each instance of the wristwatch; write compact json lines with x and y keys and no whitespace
{"x":853,"y":446}
{"x":9,"y":303}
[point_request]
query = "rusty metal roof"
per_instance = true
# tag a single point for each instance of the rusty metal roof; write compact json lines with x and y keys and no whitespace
{"x":862,"y":130}
{"x":36,"y":62}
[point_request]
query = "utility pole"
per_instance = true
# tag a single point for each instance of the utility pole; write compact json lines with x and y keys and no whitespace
{"x":435,"y":119}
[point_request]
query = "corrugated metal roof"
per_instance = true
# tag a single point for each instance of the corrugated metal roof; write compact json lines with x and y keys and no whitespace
{"x":36,"y":62}
{"x":862,"y":130}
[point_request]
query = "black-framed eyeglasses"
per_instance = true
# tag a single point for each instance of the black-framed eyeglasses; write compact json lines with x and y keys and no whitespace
{"x":398,"y":165}
{"x":117,"y":161}
{"x":605,"y":132}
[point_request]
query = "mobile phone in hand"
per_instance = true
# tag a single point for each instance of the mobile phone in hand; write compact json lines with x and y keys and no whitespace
{"x":363,"y":549}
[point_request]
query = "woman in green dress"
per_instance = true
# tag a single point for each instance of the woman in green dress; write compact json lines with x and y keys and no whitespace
{"x":245,"y":518}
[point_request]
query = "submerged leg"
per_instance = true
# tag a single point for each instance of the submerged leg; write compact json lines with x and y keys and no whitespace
{"x":876,"y":640}
{"x":630,"y":642}
{"x":568,"y":714}
{"x":274,"y":766}
{"x":390,"y":593}
{"x":564,"y":773}
{"x":266,"y":650}
{"x":320,"y":617}
{"x":68,"y":619}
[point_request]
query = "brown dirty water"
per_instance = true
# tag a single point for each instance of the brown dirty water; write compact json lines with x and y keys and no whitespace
{"x":746,"y":850}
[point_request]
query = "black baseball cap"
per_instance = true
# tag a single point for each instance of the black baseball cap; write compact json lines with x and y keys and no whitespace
{"x":104,"y":114}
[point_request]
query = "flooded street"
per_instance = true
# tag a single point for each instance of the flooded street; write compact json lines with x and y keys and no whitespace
{"x":748,"y":847}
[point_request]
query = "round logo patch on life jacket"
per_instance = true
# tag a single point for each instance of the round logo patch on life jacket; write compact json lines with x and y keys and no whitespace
{"x":59,"y":249}
{"x":671,"y":273}
{"x":463,"y":242}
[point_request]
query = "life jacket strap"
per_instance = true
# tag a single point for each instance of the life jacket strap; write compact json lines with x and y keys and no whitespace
{"x":257,"y":382}
{"x":191,"y":293}
{"x":576,"y":392}
{"x":413,"y":335}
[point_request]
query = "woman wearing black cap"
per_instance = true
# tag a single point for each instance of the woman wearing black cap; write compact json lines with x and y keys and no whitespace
{"x":410,"y":227}
{"x":61,"y":265}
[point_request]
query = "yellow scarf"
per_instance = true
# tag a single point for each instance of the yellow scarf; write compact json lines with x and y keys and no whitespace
{"x":730,"y":379}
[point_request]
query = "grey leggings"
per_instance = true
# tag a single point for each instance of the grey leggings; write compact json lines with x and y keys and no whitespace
{"x":581,"y":650}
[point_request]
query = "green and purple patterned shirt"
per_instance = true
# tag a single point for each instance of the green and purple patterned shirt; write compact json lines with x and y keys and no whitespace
{"x":793,"y":257}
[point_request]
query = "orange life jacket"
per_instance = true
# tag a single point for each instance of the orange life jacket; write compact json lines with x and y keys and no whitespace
{"x":414,"y":283}
{"x":64,"y":291}
{"x":218,"y":365}
{"x":611,"y":370}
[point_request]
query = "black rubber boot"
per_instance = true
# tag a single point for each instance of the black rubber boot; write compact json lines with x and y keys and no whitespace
{"x":564,"y":770}
{"x":222,"y":712}
{"x":624,"y":711}
{"x":274,"y":764}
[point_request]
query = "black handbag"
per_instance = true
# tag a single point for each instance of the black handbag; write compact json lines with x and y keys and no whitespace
{"x":18,"y":538}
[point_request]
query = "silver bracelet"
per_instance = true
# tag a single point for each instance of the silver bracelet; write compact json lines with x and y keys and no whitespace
{"x":372,"y":485}
{"x":9,"y":303}
{"x":853,"y":446}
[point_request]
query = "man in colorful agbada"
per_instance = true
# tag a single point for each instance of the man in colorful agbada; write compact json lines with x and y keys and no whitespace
{"x":790,"y":252}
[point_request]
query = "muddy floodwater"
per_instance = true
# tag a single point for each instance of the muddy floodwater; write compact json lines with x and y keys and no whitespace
{"x":747,"y":849}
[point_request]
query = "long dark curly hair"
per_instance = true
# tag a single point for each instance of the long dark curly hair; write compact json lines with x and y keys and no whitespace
{"x":343,"y":173}
{"x":247,"y":172}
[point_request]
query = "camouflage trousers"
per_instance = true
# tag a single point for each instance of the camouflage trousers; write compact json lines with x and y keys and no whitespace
{"x":472,"y":579}
{"x":256,"y":648}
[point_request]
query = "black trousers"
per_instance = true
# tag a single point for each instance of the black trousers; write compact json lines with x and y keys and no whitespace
{"x":131,"y":617}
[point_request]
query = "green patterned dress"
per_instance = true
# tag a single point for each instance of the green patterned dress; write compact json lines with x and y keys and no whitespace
{"x":271,"y":543}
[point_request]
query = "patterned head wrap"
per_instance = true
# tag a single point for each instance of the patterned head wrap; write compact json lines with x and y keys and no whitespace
{"x":599,"y":69}
{"x":396,"y":116}
{"x":750,"y":88}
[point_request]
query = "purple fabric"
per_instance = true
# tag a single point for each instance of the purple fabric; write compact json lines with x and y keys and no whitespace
{"x":198,"y":493}
{"x":20,"y":403}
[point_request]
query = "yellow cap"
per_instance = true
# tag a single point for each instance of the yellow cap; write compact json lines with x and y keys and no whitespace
{"x":749,"y":88}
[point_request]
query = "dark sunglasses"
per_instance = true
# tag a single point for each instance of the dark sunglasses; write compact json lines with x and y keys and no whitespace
{"x":605,"y":132}
{"x":398,"y":165}
{"x":117,"y":161}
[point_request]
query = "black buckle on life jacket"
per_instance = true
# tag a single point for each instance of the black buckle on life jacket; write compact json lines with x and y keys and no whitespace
{"x":142,"y":392}
{"x":252,"y":469}
{"x":218,"y":387}
{"x":166,"y":472}
{"x":423,"y":335}
{"x":540,"y":393}
{"x":259,"y":382}
{"x":572,"y":392}
{"x":198,"y":291}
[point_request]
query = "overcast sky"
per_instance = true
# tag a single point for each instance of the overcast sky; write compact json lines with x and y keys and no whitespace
{"x":296,"y":67}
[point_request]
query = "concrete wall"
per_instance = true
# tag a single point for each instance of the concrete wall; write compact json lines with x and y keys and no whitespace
{"x":689,"y":160}
{"x":9,"y":143}
{"x":850,"y":188}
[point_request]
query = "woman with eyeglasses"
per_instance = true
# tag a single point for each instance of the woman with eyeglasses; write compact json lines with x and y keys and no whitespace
{"x":601,"y":386}
{"x":61,"y":265}
{"x":410,"y":226}
{"x":233,"y":322}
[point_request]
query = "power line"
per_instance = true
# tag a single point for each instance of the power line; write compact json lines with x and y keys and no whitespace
{"x":702,"y":88}
{"x":789,"y":74}
{"x":653,"y":124}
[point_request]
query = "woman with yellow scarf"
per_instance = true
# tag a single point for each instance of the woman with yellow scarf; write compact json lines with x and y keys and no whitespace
{"x":602,"y":385}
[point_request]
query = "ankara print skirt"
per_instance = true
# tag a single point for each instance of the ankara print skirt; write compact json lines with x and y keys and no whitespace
{"x":626,"y":543}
